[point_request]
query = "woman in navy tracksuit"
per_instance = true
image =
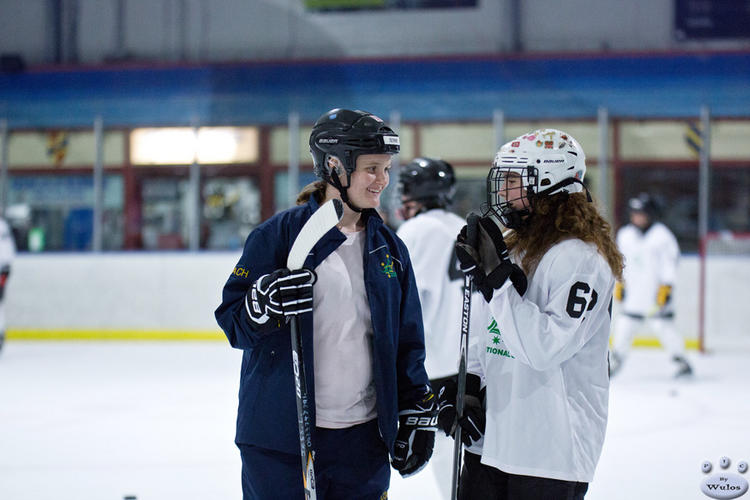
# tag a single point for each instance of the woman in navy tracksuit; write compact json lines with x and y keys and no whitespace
{"x":361,"y":332}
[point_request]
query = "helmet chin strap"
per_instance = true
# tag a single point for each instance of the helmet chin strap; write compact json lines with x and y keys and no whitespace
{"x":336,"y":182}
{"x":516,"y":219}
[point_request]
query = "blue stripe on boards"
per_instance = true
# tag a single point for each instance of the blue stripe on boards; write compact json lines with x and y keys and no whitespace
{"x":424,"y":90}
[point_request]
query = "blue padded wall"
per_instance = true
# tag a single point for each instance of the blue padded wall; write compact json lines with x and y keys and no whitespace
{"x":660,"y":85}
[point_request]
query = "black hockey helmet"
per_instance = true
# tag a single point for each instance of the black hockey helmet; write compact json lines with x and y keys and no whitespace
{"x":346,"y":134}
{"x":644,"y":202}
{"x":428,"y":181}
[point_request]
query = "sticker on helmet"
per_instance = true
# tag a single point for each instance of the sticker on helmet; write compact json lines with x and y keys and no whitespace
{"x":391,"y":140}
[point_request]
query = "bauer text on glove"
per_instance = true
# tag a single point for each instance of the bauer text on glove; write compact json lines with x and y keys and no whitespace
{"x":416,"y":436}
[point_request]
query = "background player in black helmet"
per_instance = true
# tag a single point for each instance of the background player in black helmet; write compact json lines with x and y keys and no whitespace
{"x":427,"y":187}
{"x":645,"y":293}
{"x":542,"y":352}
{"x":361,"y":332}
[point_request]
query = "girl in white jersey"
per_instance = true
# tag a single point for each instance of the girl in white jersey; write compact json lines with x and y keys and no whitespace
{"x":542,"y":354}
{"x":651,"y":255}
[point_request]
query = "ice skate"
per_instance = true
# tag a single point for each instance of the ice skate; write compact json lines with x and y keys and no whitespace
{"x":684,"y":369}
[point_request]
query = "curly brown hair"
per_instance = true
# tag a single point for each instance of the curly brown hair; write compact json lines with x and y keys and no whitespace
{"x":559,"y":217}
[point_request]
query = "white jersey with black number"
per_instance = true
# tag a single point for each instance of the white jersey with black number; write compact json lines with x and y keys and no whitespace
{"x":430,"y":239}
{"x":650,"y":260}
{"x":543,"y":358}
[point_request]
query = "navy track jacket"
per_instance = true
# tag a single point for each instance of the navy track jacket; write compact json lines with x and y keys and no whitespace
{"x":267,"y":414}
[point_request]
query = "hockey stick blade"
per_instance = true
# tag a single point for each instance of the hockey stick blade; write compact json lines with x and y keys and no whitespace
{"x":320,"y":222}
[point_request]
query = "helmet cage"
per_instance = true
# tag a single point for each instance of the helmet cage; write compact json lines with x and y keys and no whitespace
{"x":511,"y":210}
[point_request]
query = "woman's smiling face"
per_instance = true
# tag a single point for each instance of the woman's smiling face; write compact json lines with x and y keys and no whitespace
{"x":369,"y":180}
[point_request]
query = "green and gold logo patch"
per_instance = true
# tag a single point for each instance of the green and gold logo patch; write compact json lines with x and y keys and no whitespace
{"x":387,"y":267}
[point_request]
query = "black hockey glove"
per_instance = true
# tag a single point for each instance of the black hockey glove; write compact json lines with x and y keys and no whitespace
{"x":473,"y":421}
{"x":487,"y":259}
{"x":275,"y":297}
{"x":416,"y":436}
{"x":467,"y":243}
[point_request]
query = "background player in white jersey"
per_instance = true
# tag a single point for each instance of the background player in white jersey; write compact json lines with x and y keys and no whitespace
{"x":7,"y":254}
{"x":542,"y":355}
{"x":651,"y":257}
{"x":427,"y":187}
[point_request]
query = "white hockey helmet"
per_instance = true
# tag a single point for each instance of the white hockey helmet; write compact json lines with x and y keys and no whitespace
{"x":545,"y":162}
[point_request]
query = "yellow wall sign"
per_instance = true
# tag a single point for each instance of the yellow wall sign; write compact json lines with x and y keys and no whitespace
{"x":57,"y":146}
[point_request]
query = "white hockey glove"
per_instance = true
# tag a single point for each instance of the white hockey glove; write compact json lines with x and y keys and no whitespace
{"x":276,"y":297}
{"x":416,"y":436}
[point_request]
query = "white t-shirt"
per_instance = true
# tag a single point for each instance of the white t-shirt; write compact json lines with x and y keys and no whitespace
{"x":342,"y":339}
{"x":430,"y":239}
{"x":650,"y":260}
{"x":543,"y":358}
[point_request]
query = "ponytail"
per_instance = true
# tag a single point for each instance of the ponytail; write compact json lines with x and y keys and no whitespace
{"x":316,"y":189}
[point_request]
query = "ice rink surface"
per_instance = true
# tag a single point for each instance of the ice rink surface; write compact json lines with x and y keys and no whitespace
{"x":104,"y":420}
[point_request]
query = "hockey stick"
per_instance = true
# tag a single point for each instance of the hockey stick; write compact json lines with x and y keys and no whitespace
{"x":471,"y":238}
{"x":319,"y":223}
